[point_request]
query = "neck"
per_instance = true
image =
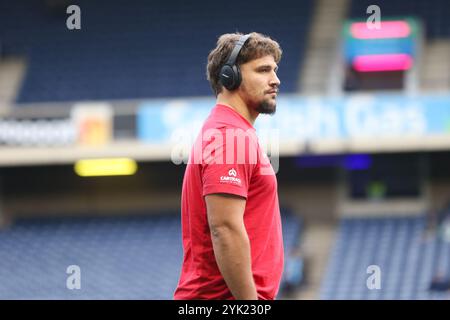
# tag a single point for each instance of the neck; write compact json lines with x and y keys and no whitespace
{"x":234,"y":101}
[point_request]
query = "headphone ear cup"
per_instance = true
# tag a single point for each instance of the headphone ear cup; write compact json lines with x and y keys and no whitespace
{"x":228,"y":77}
{"x":237,"y":76}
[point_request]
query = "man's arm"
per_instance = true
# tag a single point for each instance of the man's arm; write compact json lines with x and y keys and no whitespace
{"x":231,"y":244}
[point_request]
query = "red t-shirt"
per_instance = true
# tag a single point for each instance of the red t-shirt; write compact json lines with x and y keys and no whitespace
{"x":226,"y":158}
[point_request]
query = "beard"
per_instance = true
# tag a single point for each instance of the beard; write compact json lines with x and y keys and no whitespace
{"x":267,"y":107}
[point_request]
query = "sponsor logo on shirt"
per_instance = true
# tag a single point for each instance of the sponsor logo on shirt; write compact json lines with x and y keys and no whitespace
{"x":231,"y":177}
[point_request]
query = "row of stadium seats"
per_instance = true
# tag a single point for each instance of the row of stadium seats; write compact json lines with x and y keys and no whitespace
{"x":407,"y":258}
{"x":145,"y":50}
{"x":132,"y":257}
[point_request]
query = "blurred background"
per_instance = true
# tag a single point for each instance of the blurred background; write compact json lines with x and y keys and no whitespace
{"x":100,"y":103}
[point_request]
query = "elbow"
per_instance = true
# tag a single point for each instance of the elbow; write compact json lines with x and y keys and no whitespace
{"x":222,"y":231}
{"x":218,"y":231}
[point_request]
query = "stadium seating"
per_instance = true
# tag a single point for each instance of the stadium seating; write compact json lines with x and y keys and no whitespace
{"x":130,"y":257}
{"x":408,"y":260}
{"x":293,"y":263}
{"x":145,"y":50}
{"x":434,"y":13}
{"x":120,"y":258}
{"x":292,"y":229}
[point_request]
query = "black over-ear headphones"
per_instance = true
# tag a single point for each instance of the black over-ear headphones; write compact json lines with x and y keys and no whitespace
{"x":230,"y":75}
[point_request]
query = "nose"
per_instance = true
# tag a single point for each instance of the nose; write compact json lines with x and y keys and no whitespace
{"x":275,"y":81}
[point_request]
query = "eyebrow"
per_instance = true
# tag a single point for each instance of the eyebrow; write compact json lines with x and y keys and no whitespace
{"x":267,"y":66}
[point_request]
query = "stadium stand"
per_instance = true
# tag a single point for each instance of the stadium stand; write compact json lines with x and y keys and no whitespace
{"x":125,"y":257}
{"x":292,"y":228}
{"x":407,"y":258}
{"x":139,"y":51}
{"x":120,"y":257}
{"x":293,"y":260}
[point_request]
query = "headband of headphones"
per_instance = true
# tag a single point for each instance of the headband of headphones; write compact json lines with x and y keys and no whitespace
{"x":237,"y":48}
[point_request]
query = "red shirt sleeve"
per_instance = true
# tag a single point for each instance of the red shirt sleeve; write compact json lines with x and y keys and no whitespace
{"x":228,"y":164}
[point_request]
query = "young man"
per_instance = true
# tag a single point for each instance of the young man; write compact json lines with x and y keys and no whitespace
{"x":231,"y":225}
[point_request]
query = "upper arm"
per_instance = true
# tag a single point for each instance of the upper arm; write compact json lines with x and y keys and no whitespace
{"x":225,"y":211}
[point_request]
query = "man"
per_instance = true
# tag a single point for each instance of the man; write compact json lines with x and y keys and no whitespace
{"x":232,"y":238}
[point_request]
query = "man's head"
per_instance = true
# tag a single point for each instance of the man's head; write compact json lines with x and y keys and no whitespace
{"x":257,"y":61}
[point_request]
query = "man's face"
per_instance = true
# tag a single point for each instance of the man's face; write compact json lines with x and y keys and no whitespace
{"x":260,"y":84}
